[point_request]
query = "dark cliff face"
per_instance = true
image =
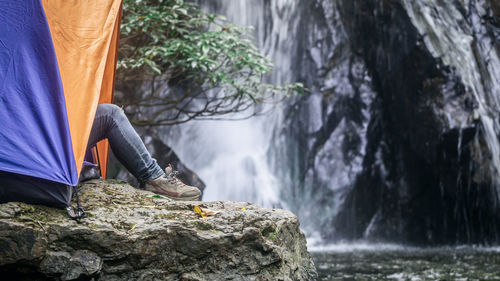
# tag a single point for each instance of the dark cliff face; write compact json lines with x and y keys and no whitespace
{"x":416,"y":165}
{"x":430,"y":194}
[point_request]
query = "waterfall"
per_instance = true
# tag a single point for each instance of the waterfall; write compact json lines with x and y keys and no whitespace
{"x":231,"y":156}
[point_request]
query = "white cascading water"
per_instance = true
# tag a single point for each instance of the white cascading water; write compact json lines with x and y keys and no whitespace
{"x":231,"y":156}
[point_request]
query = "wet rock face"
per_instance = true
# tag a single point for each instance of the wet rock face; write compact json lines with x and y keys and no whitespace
{"x":432,"y":186}
{"x":130,"y":235}
{"x":398,"y":141}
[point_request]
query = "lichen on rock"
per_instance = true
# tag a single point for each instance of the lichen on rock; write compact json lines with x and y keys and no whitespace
{"x":130,"y":235}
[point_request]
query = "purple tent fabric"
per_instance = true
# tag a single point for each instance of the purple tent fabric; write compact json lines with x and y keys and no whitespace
{"x":34,"y":132}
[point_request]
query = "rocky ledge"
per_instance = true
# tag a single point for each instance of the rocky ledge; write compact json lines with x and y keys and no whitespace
{"x":130,"y":234}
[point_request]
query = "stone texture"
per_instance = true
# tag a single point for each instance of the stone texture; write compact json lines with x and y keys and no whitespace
{"x":129,"y":235}
{"x":55,"y":263}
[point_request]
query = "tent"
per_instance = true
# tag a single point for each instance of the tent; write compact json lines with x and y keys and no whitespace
{"x":57,"y":63}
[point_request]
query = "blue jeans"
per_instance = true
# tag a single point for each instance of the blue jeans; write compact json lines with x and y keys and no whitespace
{"x":111,"y":122}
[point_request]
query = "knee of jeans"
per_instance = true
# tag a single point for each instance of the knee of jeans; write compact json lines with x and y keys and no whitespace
{"x":112,"y":110}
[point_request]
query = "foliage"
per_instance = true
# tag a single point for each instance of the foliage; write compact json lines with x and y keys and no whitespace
{"x":197,"y":65}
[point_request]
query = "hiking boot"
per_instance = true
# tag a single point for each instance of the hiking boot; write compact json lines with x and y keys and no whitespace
{"x":169,"y":185}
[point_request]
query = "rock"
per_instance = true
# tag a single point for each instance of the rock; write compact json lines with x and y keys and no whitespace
{"x":130,"y":235}
{"x":55,"y":263}
{"x":82,"y":263}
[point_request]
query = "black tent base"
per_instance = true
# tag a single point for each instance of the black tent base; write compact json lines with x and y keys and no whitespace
{"x":19,"y":188}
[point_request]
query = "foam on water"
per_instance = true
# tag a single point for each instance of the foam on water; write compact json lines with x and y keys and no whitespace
{"x":389,"y":247}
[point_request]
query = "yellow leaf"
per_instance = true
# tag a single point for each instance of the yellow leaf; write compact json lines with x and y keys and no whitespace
{"x":243,"y":209}
{"x":198,"y":210}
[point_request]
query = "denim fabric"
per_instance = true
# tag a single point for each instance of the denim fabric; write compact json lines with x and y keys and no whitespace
{"x":111,"y":122}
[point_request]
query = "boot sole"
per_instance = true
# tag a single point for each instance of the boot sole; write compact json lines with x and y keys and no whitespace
{"x":192,"y":198}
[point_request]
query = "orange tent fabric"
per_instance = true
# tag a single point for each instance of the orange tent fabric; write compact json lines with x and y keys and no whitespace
{"x":85,"y":34}
{"x":107,"y":89}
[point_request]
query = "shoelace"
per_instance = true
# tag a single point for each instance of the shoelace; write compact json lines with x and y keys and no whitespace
{"x":172,"y":177}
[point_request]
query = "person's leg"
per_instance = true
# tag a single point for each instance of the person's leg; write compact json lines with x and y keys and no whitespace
{"x":111,"y":122}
